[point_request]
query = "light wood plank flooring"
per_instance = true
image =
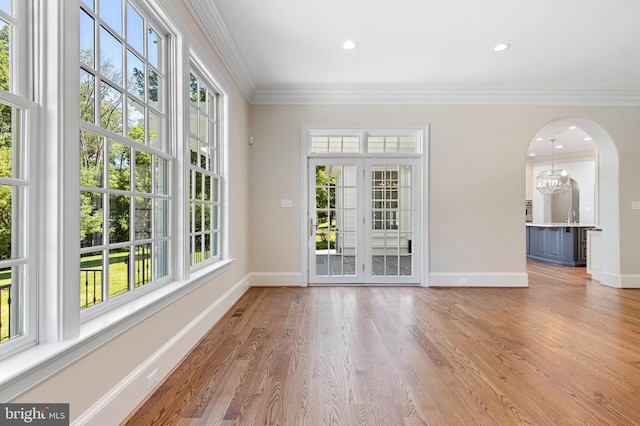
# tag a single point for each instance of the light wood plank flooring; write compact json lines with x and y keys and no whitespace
{"x":564,"y":351}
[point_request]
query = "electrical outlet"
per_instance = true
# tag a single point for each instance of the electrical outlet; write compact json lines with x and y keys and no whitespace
{"x":464,"y":281}
{"x":152,"y":379}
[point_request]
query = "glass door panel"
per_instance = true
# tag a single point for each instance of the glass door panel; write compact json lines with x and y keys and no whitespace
{"x":390,"y":240}
{"x":333,"y":232}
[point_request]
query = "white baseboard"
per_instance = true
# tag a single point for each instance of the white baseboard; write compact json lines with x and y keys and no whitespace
{"x":116,"y":404}
{"x":480,"y":279}
{"x":620,"y":280}
{"x":276,"y":279}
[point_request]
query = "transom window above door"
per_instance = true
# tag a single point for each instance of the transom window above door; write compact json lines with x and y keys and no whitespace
{"x":380,"y":142}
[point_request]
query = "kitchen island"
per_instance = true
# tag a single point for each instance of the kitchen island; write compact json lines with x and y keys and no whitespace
{"x":558,"y":243}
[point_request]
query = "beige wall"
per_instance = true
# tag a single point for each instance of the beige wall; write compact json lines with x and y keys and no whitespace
{"x":477,"y":180}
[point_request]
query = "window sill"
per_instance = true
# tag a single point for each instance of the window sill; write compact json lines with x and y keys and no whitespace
{"x":27,"y":368}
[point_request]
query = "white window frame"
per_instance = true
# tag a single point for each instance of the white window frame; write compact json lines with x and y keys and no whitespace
{"x":169,"y":86}
{"x":20,"y":96}
{"x":201,"y":73}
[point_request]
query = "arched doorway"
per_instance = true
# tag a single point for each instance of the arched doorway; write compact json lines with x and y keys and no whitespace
{"x":605,"y":187}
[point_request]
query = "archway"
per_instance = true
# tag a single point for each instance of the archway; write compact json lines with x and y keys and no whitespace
{"x":607,"y":215}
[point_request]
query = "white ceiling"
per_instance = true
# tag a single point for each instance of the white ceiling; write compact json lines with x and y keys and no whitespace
{"x":567,"y":137}
{"x":576,"y":51}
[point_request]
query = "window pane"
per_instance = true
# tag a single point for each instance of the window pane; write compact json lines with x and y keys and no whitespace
{"x":111,"y":12}
{"x":7,"y":160}
{"x":215,"y":213}
{"x":6,"y":221}
{"x":319,"y":144}
{"x":203,"y":97}
{"x":162,"y":218}
{"x":162,"y":259}
{"x":207,"y":246}
{"x":194,"y":151}
{"x":212,"y":105}
{"x":193,"y":124}
{"x":407,"y":144}
{"x":155,"y":49}
{"x":5,"y":6}
{"x":193,"y":88}
{"x":375,"y":144}
{"x":207,"y":188}
{"x":111,"y":108}
{"x":118,"y":218}
{"x":335,"y":144}
{"x":91,"y":219}
{"x":5,"y":58}
{"x":142,"y":271}
{"x":87,"y":39}
{"x":118,"y":271}
{"x":143,"y":171}
{"x":119,"y":166}
{"x":198,"y":217}
{"x":135,"y":29}
{"x":89,"y":3}
{"x":162,"y":176}
{"x":215,"y":189}
{"x":87,"y":96}
{"x":91,"y":279}
{"x":135,"y":120}
{"x":198,"y":186}
{"x":198,"y":249}
{"x":351,"y":144}
{"x":213,"y":160}
{"x":155,"y":90}
{"x":215,"y":249}
{"x":156,"y":139}
{"x":143,"y":218}
{"x":202,"y":131}
{"x":9,"y":306}
{"x":110,"y":56}
{"x":135,"y":75}
{"x":207,"y":217}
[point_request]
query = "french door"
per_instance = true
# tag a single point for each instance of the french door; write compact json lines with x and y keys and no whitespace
{"x":364,"y":221}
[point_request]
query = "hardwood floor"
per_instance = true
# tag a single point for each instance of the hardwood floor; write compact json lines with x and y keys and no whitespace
{"x":564,"y":351}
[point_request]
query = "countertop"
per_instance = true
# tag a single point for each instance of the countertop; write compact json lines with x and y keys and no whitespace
{"x":561,"y":224}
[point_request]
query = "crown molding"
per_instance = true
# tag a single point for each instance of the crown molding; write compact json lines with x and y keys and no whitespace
{"x":416,"y":95}
{"x":210,"y":21}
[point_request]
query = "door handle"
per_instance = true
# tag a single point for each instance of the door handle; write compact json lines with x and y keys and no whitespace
{"x":311,"y":227}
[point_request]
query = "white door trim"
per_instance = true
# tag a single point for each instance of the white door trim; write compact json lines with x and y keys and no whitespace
{"x":422,"y":151}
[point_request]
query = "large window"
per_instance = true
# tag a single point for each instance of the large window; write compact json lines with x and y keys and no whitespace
{"x":111,"y":169}
{"x":204,"y":174}
{"x":17,"y":311}
{"x":125,"y":157}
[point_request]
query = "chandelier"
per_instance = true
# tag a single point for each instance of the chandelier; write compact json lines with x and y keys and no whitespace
{"x":553,"y":181}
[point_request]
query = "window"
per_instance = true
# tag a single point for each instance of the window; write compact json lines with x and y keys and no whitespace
{"x":17,"y":115}
{"x":125,"y":157}
{"x":205,"y":172}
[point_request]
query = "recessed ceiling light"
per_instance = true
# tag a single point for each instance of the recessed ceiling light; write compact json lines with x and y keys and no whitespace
{"x":533,"y":154}
{"x":572,"y":127}
{"x":501,"y":47}
{"x":559,"y":146}
{"x":538,"y":139}
{"x":349,"y":44}
{"x":587,"y":138}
